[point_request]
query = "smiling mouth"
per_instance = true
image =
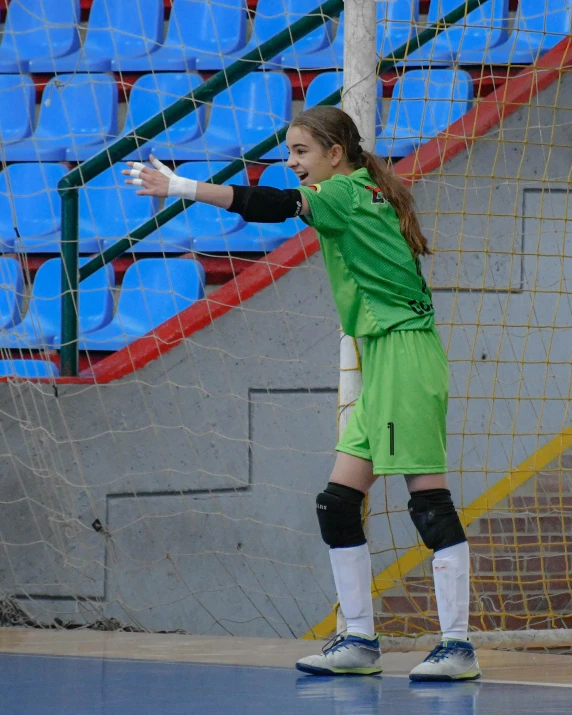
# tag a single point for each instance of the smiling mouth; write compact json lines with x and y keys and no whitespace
{"x":303,"y":176}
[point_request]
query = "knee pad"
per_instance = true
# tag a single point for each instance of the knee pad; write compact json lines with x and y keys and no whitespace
{"x":435,"y":518}
{"x":339,"y":516}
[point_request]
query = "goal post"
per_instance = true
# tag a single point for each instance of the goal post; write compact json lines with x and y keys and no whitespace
{"x":359,"y":100}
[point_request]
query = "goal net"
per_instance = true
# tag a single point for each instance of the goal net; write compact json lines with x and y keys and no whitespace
{"x":171,"y":487}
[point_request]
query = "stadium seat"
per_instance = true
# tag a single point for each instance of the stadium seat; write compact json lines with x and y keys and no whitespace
{"x":217,"y":30}
{"x":28,"y":368}
{"x":77,"y":110}
{"x":11,"y":292}
{"x":17,"y":108}
{"x":41,"y":324}
{"x":241,"y":116}
{"x":395,"y":22}
{"x":424,"y":103}
{"x":38,"y":28}
{"x":273,"y":16}
{"x":326,"y":83}
{"x":198,"y":220}
{"x":322,"y":86}
{"x":329,"y":57}
{"x":150,"y":95}
{"x":196,"y":28}
{"x":117,"y":29}
{"x":257,"y":236}
{"x":153,"y":290}
{"x":485,"y":27}
{"x":30,"y":205}
{"x":110,"y":209}
{"x":537,"y":28}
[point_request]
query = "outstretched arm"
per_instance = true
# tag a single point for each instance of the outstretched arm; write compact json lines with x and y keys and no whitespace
{"x":258,"y":203}
{"x":162,"y":182}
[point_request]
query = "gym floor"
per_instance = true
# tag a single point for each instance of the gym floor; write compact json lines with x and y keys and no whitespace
{"x":100,"y":673}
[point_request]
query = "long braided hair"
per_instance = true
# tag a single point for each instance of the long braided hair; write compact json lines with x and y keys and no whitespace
{"x":329,"y":126}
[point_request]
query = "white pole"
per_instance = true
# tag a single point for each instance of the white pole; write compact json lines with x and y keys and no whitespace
{"x":360,"y":66}
{"x":358,"y":100}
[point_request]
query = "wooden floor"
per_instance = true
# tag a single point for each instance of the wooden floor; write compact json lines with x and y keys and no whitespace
{"x":497,"y":666}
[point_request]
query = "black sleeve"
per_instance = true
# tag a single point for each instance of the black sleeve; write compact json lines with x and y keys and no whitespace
{"x":265,"y":204}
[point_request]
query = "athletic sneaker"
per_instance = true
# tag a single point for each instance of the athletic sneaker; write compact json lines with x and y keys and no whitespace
{"x":450,"y":660}
{"x":347,"y":655}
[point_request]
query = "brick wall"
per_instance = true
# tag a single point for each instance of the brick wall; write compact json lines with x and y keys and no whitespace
{"x":521,"y":556}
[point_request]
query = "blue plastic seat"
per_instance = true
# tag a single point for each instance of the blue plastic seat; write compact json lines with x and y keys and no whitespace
{"x":242,"y":116}
{"x":485,"y":27}
{"x":322,"y":86}
{"x":117,"y":29}
{"x":256,"y":237}
{"x":153,"y":93}
{"x":273,"y":16}
{"x":327,"y":83}
{"x":11,"y":292}
{"x":217,"y":30}
{"x":30,"y":206}
{"x":153,"y":290}
{"x":111,"y":209}
{"x":537,"y":28}
{"x":395,"y":25}
{"x":28,"y":368}
{"x":198,"y":220}
{"x":77,"y":110}
{"x":329,"y":57}
{"x":42,"y":322}
{"x":38,"y":28}
{"x":424,"y":103}
{"x":17,"y":108}
{"x":395,"y":22}
{"x":196,"y":28}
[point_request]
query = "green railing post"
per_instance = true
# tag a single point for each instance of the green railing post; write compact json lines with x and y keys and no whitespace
{"x":70,"y":282}
{"x":205,"y":93}
{"x":267,"y":144}
{"x":179,"y":109}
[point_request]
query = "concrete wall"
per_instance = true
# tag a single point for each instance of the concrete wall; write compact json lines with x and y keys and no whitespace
{"x":182,"y":497}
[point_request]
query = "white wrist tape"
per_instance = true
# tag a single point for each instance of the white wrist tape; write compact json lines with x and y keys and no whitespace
{"x":182,"y":188}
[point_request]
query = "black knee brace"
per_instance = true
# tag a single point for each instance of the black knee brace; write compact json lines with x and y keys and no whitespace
{"x":435,"y":518}
{"x":339,"y":515}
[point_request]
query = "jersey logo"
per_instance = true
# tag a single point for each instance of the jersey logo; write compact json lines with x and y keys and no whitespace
{"x":377,"y":196}
{"x":315,"y":187}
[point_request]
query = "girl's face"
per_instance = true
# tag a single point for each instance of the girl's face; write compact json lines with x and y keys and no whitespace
{"x":309,"y":160}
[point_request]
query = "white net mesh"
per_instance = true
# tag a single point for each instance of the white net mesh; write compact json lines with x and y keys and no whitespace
{"x":175,"y":491}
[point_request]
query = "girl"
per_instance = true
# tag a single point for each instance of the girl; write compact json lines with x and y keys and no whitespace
{"x":371,"y":242}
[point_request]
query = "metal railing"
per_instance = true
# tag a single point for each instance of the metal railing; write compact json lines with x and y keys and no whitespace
{"x":68,"y":187}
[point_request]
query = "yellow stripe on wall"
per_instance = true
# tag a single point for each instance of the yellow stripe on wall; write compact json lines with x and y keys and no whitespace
{"x":394,"y":574}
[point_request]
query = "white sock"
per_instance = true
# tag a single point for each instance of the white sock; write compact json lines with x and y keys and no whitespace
{"x":451,"y":574}
{"x":352,"y":576}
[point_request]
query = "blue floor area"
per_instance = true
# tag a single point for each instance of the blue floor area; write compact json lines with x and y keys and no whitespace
{"x":38,"y":685}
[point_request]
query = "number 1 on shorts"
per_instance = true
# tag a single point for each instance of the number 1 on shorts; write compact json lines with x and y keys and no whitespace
{"x":391,"y":428}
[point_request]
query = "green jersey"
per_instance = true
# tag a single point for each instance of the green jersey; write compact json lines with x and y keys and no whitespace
{"x":377,"y":284}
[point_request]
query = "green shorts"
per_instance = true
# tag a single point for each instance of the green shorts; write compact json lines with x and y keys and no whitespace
{"x":399,"y":420}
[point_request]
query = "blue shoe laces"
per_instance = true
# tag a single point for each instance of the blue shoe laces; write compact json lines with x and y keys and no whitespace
{"x":440,"y":652}
{"x":444,"y":650}
{"x":337,"y":642}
